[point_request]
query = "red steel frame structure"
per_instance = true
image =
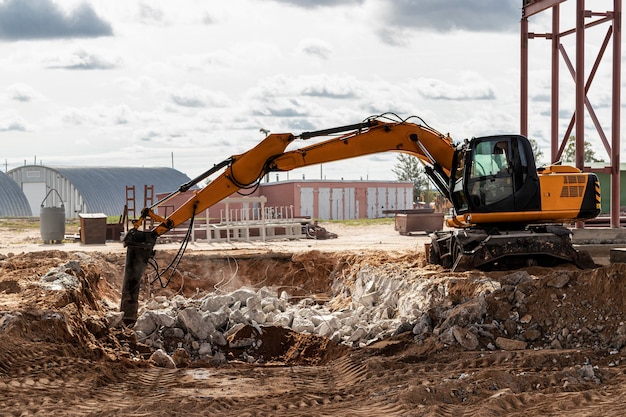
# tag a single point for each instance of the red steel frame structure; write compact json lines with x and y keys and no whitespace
{"x":614,"y":32}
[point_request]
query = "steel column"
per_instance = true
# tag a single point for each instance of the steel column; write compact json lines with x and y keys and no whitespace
{"x":524,"y":77}
{"x":554,"y":121}
{"x":615,"y":114}
{"x":580,"y":85}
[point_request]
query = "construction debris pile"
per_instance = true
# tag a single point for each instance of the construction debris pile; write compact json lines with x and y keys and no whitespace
{"x":471,"y":311}
{"x":541,"y":309}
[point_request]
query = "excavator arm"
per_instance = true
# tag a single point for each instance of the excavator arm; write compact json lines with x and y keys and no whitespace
{"x":370,"y":137}
{"x":434,"y":149}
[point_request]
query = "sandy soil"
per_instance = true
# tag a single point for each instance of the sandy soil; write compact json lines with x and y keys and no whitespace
{"x":549,"y":342}
{"x":376,"y":237}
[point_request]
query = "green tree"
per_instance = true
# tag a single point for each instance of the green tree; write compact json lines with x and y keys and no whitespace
{"x":409,"y":168}
{"x":569,"y":152}
{"x":537,"y":152}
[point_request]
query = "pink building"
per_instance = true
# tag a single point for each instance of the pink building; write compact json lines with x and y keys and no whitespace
{"x":339,"y":200}
{"x":324,"y":200}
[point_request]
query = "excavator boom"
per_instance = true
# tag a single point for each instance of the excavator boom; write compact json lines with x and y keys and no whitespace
{"x":245,"y":170}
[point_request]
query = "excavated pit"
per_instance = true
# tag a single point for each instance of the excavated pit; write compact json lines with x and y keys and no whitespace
{"x":339,"y":333}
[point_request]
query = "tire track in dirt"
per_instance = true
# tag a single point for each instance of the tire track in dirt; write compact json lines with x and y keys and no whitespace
{"x":505,"y":383}
{"x":64,"y":386}
{"x":338,"y":389}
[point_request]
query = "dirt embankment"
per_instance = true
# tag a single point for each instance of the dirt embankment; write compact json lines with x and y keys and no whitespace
{"x":537,"y":341}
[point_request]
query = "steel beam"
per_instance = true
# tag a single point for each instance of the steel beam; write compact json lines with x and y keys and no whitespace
{"x":531,"y":7}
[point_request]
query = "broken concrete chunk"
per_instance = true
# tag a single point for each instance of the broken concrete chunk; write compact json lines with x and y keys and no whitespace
{"x":559,"y":281}
{"x":243,"y":294}
{"x":510,"y":344}
{"x":145,"y":323}
{"x":467,"y":313}
{"x":516,"y":278}
{"x":302,"y":325}
{"x":216,"y":302}
{"x":162,"y":359}
{"x":465,"y":338}
{"x":197,"y":324}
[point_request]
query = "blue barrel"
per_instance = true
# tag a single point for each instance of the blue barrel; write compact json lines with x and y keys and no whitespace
{"x":52,"y":224}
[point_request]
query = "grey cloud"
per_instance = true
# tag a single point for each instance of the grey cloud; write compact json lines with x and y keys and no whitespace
{"x":42,"y":19}
{"x":281,"y":108}
{"x":318,"y":50}
{"x":469,"y":88}
{"x":542,"y":97}
{"x":382,"y":157}
{"x":279,"y":112}
{"x":539,"y":137}
{"x":323,"y":86}
{"x":386,"y":105}
{"x":122,"y":115}
{"x":74,"y":118}
{"x":121,"y":120}
{"x":207,"y":19}
{"x":23,"y":93}
{"x":187,"y":101}
{"x":311,"y":4}
{"x":328,"y":92}
{"x":149,"y":13}
{"x":471,"y":15}
{"x":11,"y":121}
{"x":83,"y":60}
{"x":300,"y":125}
{"x":192,"y":96}
{"x":148,"y":136}
{"x":393,"y":37}
{"x":21,"y":96}
{"x":98,"y":116}
{"x":13,"y":126}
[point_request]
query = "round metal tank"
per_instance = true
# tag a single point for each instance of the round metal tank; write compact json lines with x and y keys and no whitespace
{"x":52,"y":224}
{"x":52,"y":221}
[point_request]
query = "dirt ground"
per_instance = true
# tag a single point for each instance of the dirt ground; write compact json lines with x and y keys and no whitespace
{"x":548,"y":341}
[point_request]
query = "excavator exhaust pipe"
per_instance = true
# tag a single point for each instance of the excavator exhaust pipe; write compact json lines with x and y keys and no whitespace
{"x":140,"y":248}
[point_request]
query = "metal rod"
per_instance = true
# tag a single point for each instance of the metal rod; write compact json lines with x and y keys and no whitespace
{"x":325,"y":132}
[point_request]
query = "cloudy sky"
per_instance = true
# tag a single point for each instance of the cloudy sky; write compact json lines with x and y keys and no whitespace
{"x":191,"y":82}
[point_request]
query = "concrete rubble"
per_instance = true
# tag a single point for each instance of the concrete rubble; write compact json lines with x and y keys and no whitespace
{"x":373,"y":304}
{"x":563,"y":309}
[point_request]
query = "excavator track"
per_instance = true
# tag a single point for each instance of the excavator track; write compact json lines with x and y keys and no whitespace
{"x":466,"y":249}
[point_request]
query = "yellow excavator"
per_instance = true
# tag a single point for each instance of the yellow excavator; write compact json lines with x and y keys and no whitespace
{"x":506,"y":212}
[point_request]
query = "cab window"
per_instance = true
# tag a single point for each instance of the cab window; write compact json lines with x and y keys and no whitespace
{"x":490,"y":175}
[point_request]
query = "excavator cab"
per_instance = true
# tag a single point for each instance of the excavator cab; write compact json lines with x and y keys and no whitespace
{"x":495,"y":174}
{"x":508,"y":214}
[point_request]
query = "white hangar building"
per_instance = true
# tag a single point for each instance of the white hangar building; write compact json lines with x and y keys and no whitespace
{"x":91,"y":189}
